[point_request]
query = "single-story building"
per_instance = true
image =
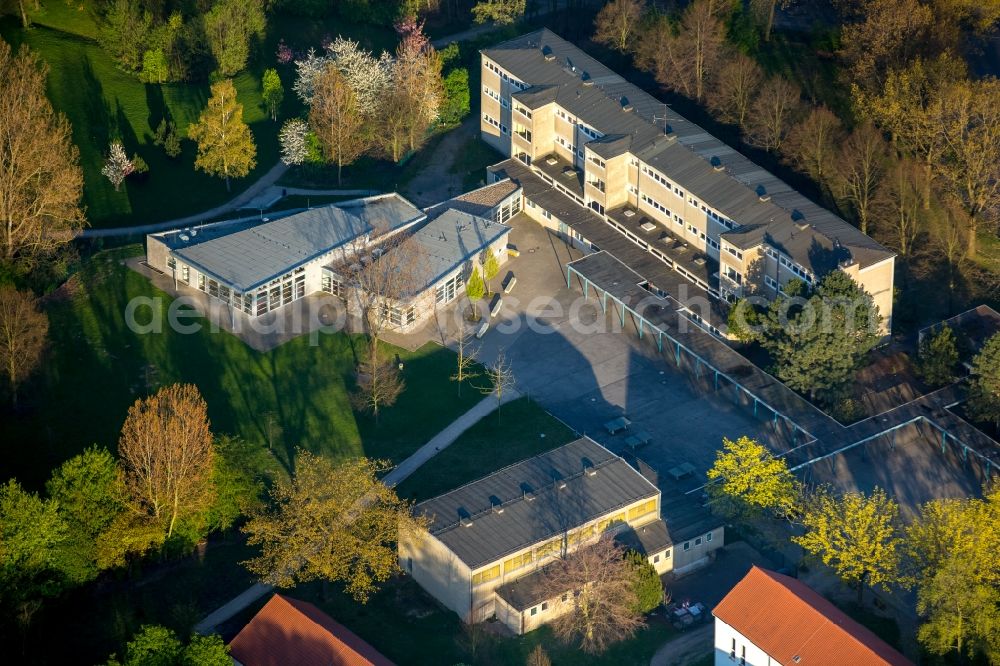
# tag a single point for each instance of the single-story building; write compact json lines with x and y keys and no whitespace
{"x":289,"y":632}
{"x":254,"y":267}
{"x":770,"y":619}
{"x":488,"y":540}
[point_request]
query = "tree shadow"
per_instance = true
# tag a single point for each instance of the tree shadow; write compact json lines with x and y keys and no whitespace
{"x":96,"y":108}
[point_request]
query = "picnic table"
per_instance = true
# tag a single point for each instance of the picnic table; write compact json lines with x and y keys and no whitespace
{"x":638,"y":439}
{"x":617,"y":425}
{"x":680,"y":471}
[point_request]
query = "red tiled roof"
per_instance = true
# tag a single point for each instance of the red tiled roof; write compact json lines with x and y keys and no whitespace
{"x":796,"y":626}
{"x":289,"y":632}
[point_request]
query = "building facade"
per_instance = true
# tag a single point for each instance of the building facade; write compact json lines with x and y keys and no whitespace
{"x":488,"y":540}
{"x":639,"y":166}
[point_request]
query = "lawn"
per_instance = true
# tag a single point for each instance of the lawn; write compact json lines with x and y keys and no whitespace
{"x":524,"y":430}
{"x":97,"y":367}
{"x":471,"y":162}
{"x":103,"y":103}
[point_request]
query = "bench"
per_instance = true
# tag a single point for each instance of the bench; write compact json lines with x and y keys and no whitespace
{"x":496,"y":305}
{"x":512,"y":251}
{"x":509,"y":282}
{"x":681,"y":471}
{"x":482,"y":330}
{"x":617,"y":425}
{"x":638,"y":440}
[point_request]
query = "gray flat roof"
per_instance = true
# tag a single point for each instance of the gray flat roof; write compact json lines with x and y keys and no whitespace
{"x":599,"y":97}
{"x":561,"y":496}
{"x":248,"y":256}
{"x":452,"y":238}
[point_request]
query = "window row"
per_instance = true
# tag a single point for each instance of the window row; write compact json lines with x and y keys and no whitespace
{"x":496,"y":96}
{"x":657,"y":205}
{"x":790,"y":265}
{"x":490,"y":120}
{"x":662,"y":180}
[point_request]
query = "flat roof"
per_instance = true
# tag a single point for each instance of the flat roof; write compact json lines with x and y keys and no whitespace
{"x":247,"y":257}
{"x":541,"y":498}
{"x":659,"y":136}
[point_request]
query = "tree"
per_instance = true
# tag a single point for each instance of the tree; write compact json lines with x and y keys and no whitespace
{"x":335,"y":117}
{"x":455,"y":104}
{"x":225,"y":144}
{"x":123,"y":29}
{"x":750,"y":479}
{"x":856,"y":535}
{"x":272,"y":92}
{"x":618,"y":22}
{"x":735,"y":87}
{"x":369,"y":77}
{"x":645,"y":582}
{"x":24,"y":330}
{"x":154,"y":645}
{"x":742,"y":320}
{"x":333,"y":521}
{"x":771,"y":113}
{"x":379,"y":383}
{"x":491,"y":268}
{"x":817,"y":348}
{"x":118,"y":166}
{"x":501,"y":12}
{"x":938,"y":357}
{"x":763,"y":12}
{"x":812,"y":144}
{"x":229,"y":27}
{"x":538,"y":657}
{"x":599,"y":583}
{"x":500,"y":374}
{"x":962,"y":615}
{"x":41,"y":182}
{"x":475,"y":290}
{"x":465,"y":360}
{"x":984,"y":383}
{"x":89,"y":494}
{"x":897,"y":205}
{"x":888,"y":38}
{"x":971,"y":136}
{"x":861,"y":161}
{"x":417,"y":83}
{"x":167,"y":455}
{"x":154,"y":66}
{"x":293,"y":139}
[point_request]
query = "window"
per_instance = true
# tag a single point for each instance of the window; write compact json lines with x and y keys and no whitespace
{"x":708,"y":537}
{"x":769,"y":281}
{"x":551,"y":548}
{"x":597,"y":160}
{"x":545,"y":605}
{"x":697,"y":541}
{"x":185,"y":273}
{"x":687,"y":545}
{"x":171,"y":262}
{"x":565,"y":597}
{"x":534,"y":611}
{"x":642,"y":510}
{"x":517,"y":562}
{"x":656,"y":559}
{"x":487,"y":575}
{"x":666,"y":554}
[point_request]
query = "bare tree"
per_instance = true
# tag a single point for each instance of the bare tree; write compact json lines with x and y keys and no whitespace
{"x":617,"y":23}
{"x":24,"y":329}
{"x":379,"y":382}
{"x":538,"y":657}
{"x":734,"y":88}
{"x":812,"y":144}
{"x":166,"y":453}
{"x":598,"y":584}
{"x":861,"y":162}
{"x":897,"y":206}
{"x":763,"y":11}
{"x":684,"y":58}
{"x":772,"y":113}
{"x":336,"y":118}
{"x":948,"y":230}
{"x":40,"y":178}
{"x":501,"y":376}
{"x":465,"y":363}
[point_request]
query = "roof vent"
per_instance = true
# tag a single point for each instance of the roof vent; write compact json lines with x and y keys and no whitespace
{"x":557,"y":478}
{"x":570,"y":65}
{"x":797,"y":215}
{"x":496,"y":504}
{"x":700,"y":261}
{"x":588,"y":466}
{"x":628,"y":212}
{"x":626,"y":105}
{"x":587,"y":81}
{"x":184,"y":238}
{"x":716,"y":163}
{"x":551,"y":161}
{"x":464,"y":516}
{"x":762,"y":193}
{"x":547,"y":53}
{"x":527,"y":491}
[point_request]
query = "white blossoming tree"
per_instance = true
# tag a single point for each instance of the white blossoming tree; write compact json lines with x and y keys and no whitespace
{"x":307,"y":69}
{"x":293,"y":140}
{"x":118,"y":166}
{"x":369,"y":77}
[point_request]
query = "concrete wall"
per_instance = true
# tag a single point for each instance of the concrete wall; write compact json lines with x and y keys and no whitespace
{"x":878,"y":280}
{"x":729,"y":641}
{"x":438,"y":571}
{"x":699,"y":552}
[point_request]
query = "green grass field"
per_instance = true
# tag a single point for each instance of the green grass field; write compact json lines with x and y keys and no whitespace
{"x":103,"y":103}
{"x":96,"y":367}
{"x":524,"y":430}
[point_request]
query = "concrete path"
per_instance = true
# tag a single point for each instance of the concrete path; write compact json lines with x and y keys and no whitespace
{"x":437,"y":444}
{"x":687,"y":648}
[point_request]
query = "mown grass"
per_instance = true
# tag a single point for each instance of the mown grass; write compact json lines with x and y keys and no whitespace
{"x":96,"y":367}
{"x":523,"y":430}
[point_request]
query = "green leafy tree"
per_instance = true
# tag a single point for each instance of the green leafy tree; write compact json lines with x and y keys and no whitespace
{"x":819,"y":345}
{"x":501,"y":12}
{"x":334,"y":521}
{"x":962,"y":615}
{"x":123,"y":29}
{"x":154,"y":645}
{"x":984,"y":384}
{"x":90,"y":495}
{"x":455,"y":105}
{"x":646,"y":583}
{"x":225,"y":144}
{"x":750,"y":479}
{"x":491,"y":268}
{"x":272,"y":92}
{"x":229,"y":27}
{"x":475,"y":289}
{"x":741,"y":320}
{"x":206,"y":651}
{"x":236,"y":487}
{"x":154,"y":66}
{"x":855,"y":535}
{"x":938,"y":357}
